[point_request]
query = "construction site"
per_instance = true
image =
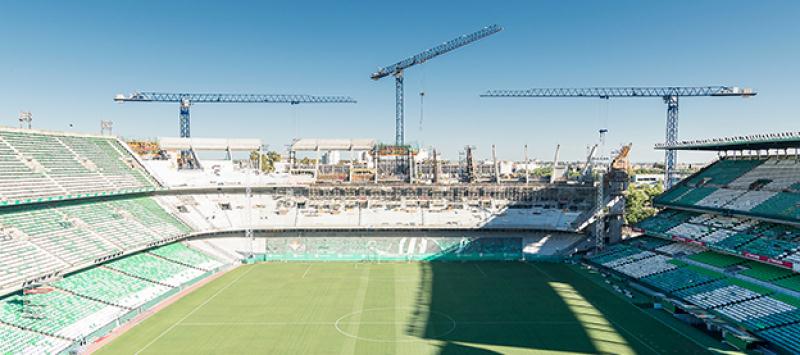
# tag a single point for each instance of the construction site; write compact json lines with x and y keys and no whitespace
{"x":332,"y":174}
{"x":359,"y":243}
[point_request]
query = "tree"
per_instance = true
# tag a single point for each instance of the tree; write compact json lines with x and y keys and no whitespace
{"x":268,"y":160}
{"x":639,"y":202}
{"x":542,"y":171}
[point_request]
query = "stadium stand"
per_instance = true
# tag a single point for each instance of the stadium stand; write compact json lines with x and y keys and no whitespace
{"x":674,"y":249}
{"x":792,"y":283}
{"x":740,"y":213}
{"x":764,"y":311}
{"x":18,"y":341}
{"x":787,"y":336}
{"x":155,"y":269}
{"x":393,"y":248}
{"x":88,"y":303}
{"x":86,"y":243}
{"x":181,"y":254}
{"x":766,"y":241}
{"x":40,"y":166}
{"x":654,"y":265}
{"x":764,"y":272}
{"x":226,"y":211}
{"x":756,"y":186}
{"x":716,"y":259}
{"x":59,"y":314}
{"x":21,"y":260}
{"x":112,"y":287}
{"x":722,"y":296}
{"x":45,"y":238}
{"x":768,"y":314}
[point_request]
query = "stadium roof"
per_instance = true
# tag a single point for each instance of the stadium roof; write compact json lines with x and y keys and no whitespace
{"x":751,"y":142}
{"x":313,"y":144}
{"x":235,"y":144}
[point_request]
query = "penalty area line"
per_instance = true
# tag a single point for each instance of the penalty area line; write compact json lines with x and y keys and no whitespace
{"x":198,"y":307}
{"x":307,"y":269}
{"x":481,"y":270}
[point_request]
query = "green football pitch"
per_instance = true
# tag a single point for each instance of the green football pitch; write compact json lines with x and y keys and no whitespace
{"x":408,"y":308}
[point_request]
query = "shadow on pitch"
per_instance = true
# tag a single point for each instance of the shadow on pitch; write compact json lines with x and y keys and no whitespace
{"x":506,"y":304}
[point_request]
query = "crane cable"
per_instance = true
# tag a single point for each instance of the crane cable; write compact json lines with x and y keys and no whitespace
{"x":421,"y":98}
{"x":602,"y":121}
{"x":295,"y":119}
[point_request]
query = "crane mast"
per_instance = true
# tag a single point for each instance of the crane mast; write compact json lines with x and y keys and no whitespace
{"x":669,"y":94}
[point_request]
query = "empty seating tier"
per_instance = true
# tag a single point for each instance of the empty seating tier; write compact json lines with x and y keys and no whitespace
{"x":180,"y":253}
{"x":679,"y":279}
{"x":786,"y":336}
{"x":764,"y":272}
{"x":84,"y":305}
{"x":722,"y":296}
{"x":38,"y":166}
{"x":734,"y":235}
{"x":767,"y":311}
{"x":749,"y":243}
{"x":647,"y":267}
{"x":764,"y":187}
{"x":723,"y":172}
{"x":57,"y":313}
{"x":112,"y":287}
{"x":792,"y":283}
{"x":680,"y":249}
{"x":16,"y":341}
{"x":781,"y":316}
{"x":21,"y":260}
{"x":155,"y":269}
{"x":718,"y":260}
{"x":613,"y":253}
{"x":37,"y":240}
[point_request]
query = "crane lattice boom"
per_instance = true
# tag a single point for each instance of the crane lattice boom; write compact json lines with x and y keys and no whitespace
{"x":230,"y":98}
{"x":186,"y":100}
{"x":435,"y":51}
{"x":670,"y":94}
{"x":607,"y":92}
{"x":396,"y":70}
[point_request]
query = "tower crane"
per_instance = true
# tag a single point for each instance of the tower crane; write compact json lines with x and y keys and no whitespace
{"x":186,"y":100}
{"x":669,"y":94}
{"x":397,"y":69}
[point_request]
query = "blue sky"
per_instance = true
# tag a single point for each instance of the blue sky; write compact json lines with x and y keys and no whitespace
{"x":65,"y":60}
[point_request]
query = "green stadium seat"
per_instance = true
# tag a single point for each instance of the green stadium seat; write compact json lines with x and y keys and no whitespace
{"x":788,"y":337}
{"x":181,"y":254}
{"x":111,"y":287}
{"x":17,"y":341}
{"x":37,"y":166}
{"x":716,"y":259}
{"x":764,"y":272}
{"x":155,"y":269}
{"x":679,"y":279}
{"x":58,"y":313}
